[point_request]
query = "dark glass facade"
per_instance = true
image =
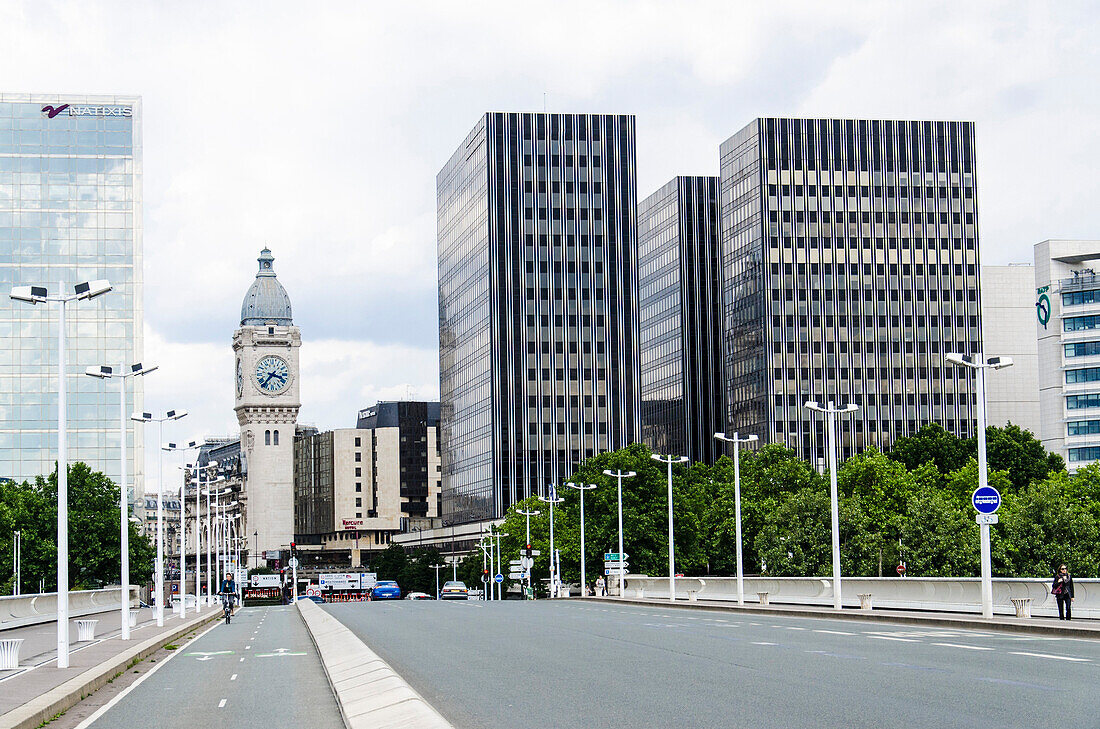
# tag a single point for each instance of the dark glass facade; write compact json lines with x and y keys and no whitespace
{"x":680,"y":320}
{"x":850,"y":256}
{"x":537,"y":228}
{"x":414,"y":421}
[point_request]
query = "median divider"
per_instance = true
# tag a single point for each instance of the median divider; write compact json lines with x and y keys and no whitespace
{"x":368,"y":691}
{"x":45,"y":707}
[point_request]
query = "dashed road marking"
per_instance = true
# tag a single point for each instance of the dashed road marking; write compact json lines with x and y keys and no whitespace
{"x":1048,"y":655}
{"x":221,"y":704}
{"x":968,"y":647}
{"x":233,"y":677}
{"x":894,"y":637}
{"x":832,"y":632}
{"x":763,"y":642}
{"x":791,"y":627}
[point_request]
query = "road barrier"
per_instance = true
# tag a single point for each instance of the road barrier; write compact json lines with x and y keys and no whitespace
{"x":20,"y":610}
{"x":947,"y":594}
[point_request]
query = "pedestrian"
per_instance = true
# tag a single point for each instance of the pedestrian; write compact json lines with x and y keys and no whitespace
{"x":1062,"y":589}
{"x":600,"y":587}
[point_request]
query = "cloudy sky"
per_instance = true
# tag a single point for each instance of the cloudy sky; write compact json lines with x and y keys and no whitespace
{"x":318,"y":128}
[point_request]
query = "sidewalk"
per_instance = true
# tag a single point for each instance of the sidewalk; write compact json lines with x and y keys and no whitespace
{"x":1089,"y":629}
{"x":39,"y":689}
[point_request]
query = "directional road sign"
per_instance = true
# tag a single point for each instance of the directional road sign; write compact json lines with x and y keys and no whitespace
{"x":498,"y":577}
{"x":613,"y":556}
{"x":515,"y":563}
{"x":615,"y":565}
{"x":986,"y":499}
{"x":614,"y":571}
{"x":517,"y":575}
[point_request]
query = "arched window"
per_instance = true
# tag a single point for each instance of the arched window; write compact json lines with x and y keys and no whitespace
{"x":276,"y":437}
{"x":267,"y":437}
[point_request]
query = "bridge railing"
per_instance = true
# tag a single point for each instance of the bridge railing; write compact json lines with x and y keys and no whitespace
{"x":20,"y":610}
{"x":948,"y":594}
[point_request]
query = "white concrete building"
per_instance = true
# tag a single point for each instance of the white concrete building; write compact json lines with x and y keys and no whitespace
{"x":1009,"y":329}
{"x":1067,"y":301}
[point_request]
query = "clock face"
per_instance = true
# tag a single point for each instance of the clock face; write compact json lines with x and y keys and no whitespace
{"x":272,"y":374}
{"x":240,"y":377}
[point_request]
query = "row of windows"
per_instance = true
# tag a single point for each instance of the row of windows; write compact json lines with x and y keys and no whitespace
{"x":839,"y":190}
{"x":271,"y":437}
{"x":1082,"y":349}
{"x":1083,"y":427}
{"x":1086,"y":374}
{"x":1080,"y":402}
{"x":1089,"y":453}
{"x":1080,"y":323}
{"x":1075,"y":298}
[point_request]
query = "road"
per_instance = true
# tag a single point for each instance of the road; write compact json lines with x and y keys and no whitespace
{"x":260,"y":671}
{"x":584,"y":664}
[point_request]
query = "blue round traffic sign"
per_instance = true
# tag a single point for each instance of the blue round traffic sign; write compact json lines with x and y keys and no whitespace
{"x":986,"y":499}
{"x":498,"y":577}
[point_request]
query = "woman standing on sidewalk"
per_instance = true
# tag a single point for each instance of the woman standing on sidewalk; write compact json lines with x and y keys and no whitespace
{"x":1062,"y":589}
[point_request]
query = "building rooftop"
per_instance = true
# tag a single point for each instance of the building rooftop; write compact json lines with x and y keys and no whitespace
{"x":266,"y":301}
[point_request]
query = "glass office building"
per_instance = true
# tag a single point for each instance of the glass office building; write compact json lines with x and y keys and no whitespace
{"x":680,"y":303}
{"x":850,"y":268}
{"x":537,"y":235}
{"x":70,"y":211}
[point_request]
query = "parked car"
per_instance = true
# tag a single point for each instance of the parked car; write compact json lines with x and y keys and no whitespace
{"x":312,"y":598}
{"x":386,"y":590}
{"x":418,"y":596}
{"x":454,"y":591}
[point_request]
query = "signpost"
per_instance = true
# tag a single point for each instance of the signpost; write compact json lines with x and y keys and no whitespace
{"x":498,"y":578}
{"x":986,"y":501}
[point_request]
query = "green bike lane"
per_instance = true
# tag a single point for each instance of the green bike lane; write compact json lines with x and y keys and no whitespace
{"x":261,"y":670}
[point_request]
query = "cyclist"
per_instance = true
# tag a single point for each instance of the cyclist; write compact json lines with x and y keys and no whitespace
{"x":228,"y":591}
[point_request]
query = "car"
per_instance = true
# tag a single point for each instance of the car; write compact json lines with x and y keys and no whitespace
{"x":418,"y":596}
{"x":312,"y":598}
{"x":385,"y":590}
{"x":454,"y":591}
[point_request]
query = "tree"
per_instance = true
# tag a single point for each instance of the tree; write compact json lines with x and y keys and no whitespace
{"x":932,"y":444}
{"x":1018,"y":452}
{"x":1046,"y":525}
{"x":796,"y":537}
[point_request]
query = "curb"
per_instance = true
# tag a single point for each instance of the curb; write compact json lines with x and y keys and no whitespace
{"x":61,"y":698}
{"x":368,"y":691}
{"x":883,"y":616}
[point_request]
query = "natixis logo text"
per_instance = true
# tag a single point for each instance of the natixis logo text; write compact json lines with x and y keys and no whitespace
{"x":81,"y":110}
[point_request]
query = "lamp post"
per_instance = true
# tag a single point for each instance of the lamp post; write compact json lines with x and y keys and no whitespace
{"x":210,"y":544}
{"x":202,"y":478}
{"x":17,"y":547}
{"x":183,"y":528}
{"x":38,"y":295}
{"x":552,"y":499}
{"x":737,"y":441}
{"x":437,"y":567}
{"x":619,"y":476}
{"x":105,"y":373}
{"x":668,"y":461}
{"x":527,"y":543}
{"x":158,"y":578}
{"x":581,"y":488}
{"x":831,"y":411}
{"x":980,"y":363}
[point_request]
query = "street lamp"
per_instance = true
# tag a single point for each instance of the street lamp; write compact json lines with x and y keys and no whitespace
{"x":208,"y":492}
{"x":669,"y":460}
{"x":17,"y":549}
{"x":980,"y":363}
{"x":554,"y":576}
{"x":619,"y":476}
{"x":737,"y":441}
{"x":527,"y":544}
{"x":106,"y":373}
{"x":37,"y":295}
{"x":158,"y":580}
{"x":183,"y":527}
{"x":201,"y":472}
{"x":581,"y":488}
{"x":437,"y":567}
{"x":831,"y":411}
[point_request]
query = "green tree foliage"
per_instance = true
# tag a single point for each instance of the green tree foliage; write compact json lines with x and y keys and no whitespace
{"x":93,"y":532}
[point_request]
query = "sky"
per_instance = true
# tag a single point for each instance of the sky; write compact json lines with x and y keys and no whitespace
{"x":317,"y":129}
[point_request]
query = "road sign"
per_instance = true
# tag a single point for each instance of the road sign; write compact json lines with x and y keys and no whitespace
{"x":986,"y":499}
{"x":292,"y":562}
{"x":615,"y":565}
{"x":614,"y":571}
{"x":901,"y":569}
{"x":526,"y":563}
{"x":515,"y":563}
{"x":517,"y":575}
{"x":498,"y":578}
{"x":986,"y":518}
{"x":613,"y":556}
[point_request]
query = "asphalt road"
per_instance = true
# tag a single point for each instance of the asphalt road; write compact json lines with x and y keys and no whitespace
{"x":574,"y":664}
{"x":259,"y":671}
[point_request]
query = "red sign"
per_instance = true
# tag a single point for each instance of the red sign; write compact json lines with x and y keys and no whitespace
{"x":901,"y":569}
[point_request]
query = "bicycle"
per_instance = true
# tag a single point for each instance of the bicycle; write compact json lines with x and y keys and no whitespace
{"x":227,"y":606}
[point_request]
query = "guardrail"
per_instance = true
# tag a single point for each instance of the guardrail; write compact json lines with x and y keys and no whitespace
{"x":947,"y":594}
{"x":19,"y":610}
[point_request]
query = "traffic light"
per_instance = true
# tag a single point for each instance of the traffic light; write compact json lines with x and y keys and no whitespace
{"x":485,"y":575}
{"x":527,"y":551}
{"x":293,"y":549}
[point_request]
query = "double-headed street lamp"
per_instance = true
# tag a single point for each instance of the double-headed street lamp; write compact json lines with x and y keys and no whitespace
{"x":158,"y":578}
{"x":527,"y":544}
{"x":40,"y":295}
{"x":669,"y":460}
{"x":980,"y":363}
{"x":581,"y":487}
{"x":177,"y":448}
{"x":437,"y":567}
{"x":109,"y":373}
{"x":620,"y":475}
{"x":831,"y":411}
{"x":554,"y":576}
{"x":203,"y":479}
{"x":737,"y":441}
{"x":210,"y":573}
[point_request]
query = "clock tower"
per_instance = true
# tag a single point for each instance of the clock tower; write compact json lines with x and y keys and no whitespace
{"x":266,"y":380}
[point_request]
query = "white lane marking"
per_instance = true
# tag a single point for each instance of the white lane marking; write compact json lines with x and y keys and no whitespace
{"x":248,"y":647}
{"x":968,"y":647}
{"x":233,"y":677}
{"x":118,"y":697}
{"x":891,"y":637}
{"x":791,"y":627}
{"x":763,"y":642}
{"x":1047,"y":655}
{"x":221,"y":704}
{"x":833,"y":632}
{"x":242,"y":660}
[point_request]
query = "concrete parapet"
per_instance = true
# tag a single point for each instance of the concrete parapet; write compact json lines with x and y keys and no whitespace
{"x":19,"y":610}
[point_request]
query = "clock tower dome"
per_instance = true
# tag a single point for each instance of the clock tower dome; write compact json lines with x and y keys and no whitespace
{"x":266,"y":380}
